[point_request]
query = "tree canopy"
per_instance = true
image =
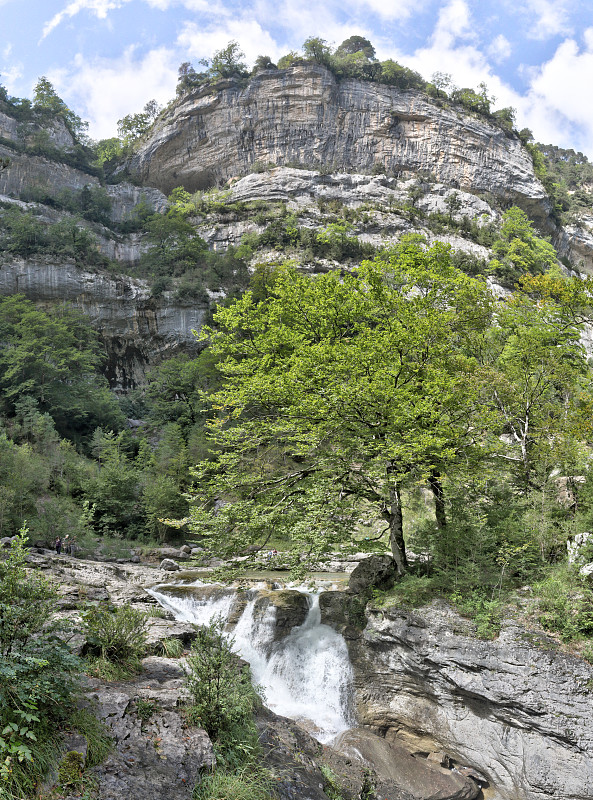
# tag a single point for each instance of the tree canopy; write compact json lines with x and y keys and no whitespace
{"x":337,"y":391}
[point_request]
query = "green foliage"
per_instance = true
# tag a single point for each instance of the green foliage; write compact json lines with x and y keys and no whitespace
{"x":331,"y":783}
{"x":70,"y":769}
{"x":46,"y":99}
{"x":226,"y":63}
{"x":116,"y":635}
{"x":35,"y":672}
{"x":222,"y":698}
{"x":565,"y":604}
{"x":518,"y":250}
{"x":171,"y":648}
{"x":99,"y":743}
{"x":22,"y":234}
{"x":145,"y":709}
{"x":133,"y":127}
{"x":53,"y":358}
{"x":247,"y":783}
{"x":362,"y":376}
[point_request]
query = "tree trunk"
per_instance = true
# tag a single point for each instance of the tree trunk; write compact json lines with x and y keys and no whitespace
{"x":396,"y":530}
{"x":436,"y":487}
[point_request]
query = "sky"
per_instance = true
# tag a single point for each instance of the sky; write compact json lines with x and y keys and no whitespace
{"x":107,"y":58}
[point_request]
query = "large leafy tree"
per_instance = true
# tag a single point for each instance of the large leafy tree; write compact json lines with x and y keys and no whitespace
{"x":337,"y":391}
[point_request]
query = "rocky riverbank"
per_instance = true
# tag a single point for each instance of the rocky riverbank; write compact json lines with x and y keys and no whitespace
{"x":442,"y":713}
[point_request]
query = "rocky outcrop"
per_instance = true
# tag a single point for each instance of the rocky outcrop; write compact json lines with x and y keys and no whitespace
{"x":514,"y":709}
{"x":136,"y":328}
{"x":155,"y":755}
{"x":304,"y":115}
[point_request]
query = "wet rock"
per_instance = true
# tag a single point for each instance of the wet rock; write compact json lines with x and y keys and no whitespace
{"x":376,"y":571}
{"x":291,"y":609}
{"x":514,"y":709}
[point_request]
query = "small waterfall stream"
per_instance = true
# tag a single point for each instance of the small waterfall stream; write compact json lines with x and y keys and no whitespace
{"x":306,"y":675}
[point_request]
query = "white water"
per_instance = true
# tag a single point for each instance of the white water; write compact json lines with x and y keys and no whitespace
{"x":306,"y":676}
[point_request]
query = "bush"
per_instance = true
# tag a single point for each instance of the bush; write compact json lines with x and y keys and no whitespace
{"x":222,"y":697}
{"x":116,"y":636}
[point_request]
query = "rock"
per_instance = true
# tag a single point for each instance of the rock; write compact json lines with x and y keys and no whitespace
{"x":196,"y":551}
{"x":169,"y":565}
{"x":136,"y":327}
{"x":159,"y":758}
{"x":291,"y":608}
{"x":160,"y":629}
{"x":219,"y":132}
{"x":135,"y":559}
{"x":397,"y":770}
{"x":6,"y":541}
{"x":513,"y":709}
{"x":576,"y":546}
{"x":376,"y":571}
{"x":586,"y":571}
{"x":186,"y":549}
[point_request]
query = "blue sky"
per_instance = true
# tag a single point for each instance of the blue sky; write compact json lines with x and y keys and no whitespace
{"x":107,"y":58}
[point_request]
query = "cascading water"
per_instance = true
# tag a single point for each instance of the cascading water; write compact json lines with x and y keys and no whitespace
{"x":306,"y":676}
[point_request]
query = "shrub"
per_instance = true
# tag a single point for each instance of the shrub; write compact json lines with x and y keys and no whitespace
{"x":35,"y":669}
{"x":222,"y":697}
{"x":116,"y":636}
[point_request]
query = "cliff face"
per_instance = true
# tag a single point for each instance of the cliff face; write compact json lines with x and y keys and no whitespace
{"x":519,"y":713}
{"x":304,"y":115}
{"x":136,"y":329}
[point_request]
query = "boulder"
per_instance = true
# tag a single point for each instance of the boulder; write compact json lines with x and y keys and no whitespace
{"x":186,"y":549}
{"x":169,"y":565}
{"x":375,"y":572}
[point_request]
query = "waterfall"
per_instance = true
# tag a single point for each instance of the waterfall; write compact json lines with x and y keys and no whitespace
{"x":305,"y":676}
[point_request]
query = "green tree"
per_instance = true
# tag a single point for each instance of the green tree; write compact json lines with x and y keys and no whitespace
{"x":318,"y":50}
{"x":519,"y":250}
{"x":537,"y":379}
{"x":356,"y":44}
{"x":46,"y":99}
{"x":337,"y":391}
{"x":227,"y":62}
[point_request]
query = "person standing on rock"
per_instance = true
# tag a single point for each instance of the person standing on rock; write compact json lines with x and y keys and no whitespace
{"x":67,"y":544}
{"x":58,"y":545}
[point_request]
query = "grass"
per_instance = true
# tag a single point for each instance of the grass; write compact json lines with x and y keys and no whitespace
{"x":103,"y":668}
{"x":171,"y":648}
{"x":247,"y":783}
{"x":99,"y":742}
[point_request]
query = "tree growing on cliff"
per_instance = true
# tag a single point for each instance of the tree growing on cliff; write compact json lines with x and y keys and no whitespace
{"x":338,"y":391}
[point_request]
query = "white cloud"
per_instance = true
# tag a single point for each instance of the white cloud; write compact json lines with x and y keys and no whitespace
{"x":554,"y":107}
{"x":103,"y":91}
{"x":500,"y":48}
{"x":98,"y":7}
{"x":551,"y":18}
{"x":200,"y":42}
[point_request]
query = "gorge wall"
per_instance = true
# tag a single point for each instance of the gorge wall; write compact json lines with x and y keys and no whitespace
{"x":514,"y":708}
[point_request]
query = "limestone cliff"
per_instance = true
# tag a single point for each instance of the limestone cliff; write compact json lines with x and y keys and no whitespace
{"x":303,"y":115}
{"x":514,"y":708}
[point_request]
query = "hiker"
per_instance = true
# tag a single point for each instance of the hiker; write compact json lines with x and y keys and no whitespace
{"x":67,"y":544}
{"x":58,"y":545}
